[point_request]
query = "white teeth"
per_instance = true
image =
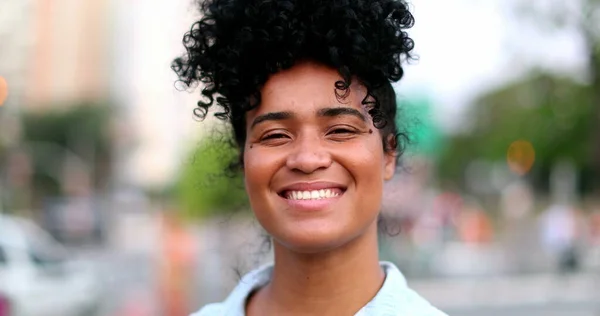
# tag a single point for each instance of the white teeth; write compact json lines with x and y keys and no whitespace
{"x":311,"y":195}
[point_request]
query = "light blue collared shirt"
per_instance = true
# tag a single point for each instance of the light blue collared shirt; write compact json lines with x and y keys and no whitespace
{"x":394,"y":298}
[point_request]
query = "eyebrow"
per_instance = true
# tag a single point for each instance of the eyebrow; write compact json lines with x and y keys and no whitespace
{"x":272,"y":116}
{"x":325,"y":112}
{"x":337,"y":111}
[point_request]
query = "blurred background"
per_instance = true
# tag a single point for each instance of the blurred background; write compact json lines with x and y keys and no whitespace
{"x":113,"y":200}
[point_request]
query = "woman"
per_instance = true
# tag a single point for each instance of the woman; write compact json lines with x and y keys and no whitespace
{"x":306,"y":87}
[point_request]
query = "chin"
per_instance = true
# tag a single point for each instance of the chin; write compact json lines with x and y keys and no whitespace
{"x":312,"y":241}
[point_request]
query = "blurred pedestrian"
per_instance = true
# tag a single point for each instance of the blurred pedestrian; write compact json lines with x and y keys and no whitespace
{"x":176,"y":263}
{"x":561,"y":236}
{"x":594,"y":239}
{"x":518,"y":231}
{"x":136,"y":303}
{"x":475,"y":226}
{"x":594,"y":223}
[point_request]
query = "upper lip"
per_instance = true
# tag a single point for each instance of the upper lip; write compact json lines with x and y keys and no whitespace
{"x":311,"y":186}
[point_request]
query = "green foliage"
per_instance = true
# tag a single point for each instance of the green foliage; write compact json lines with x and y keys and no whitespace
{"x":61,"y":126}
{"x":554,"y":114}
{"x":81,"y":129}
{"x":416,"y":118}
{"x":210,"y":182}
{"x":581,"y":18}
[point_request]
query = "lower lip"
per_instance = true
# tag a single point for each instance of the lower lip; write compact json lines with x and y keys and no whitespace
{"x":312,"y":205}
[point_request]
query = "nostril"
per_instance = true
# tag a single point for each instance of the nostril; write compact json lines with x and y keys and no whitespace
{"x":307,"y":161}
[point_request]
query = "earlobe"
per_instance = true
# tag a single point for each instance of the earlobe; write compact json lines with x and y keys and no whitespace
{"x":390,"y":166}
{"x":390,"y":159}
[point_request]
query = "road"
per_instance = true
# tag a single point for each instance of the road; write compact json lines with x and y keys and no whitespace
{"x":527,"y":295}
{"x":550,"y":309}
{"x":128,"y":282}
{"x":533,"y":295}
{"x":131,"y":278}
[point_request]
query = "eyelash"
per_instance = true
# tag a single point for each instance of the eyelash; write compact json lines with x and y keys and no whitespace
{"x":342,"y":130}
{"x":274,"y":136}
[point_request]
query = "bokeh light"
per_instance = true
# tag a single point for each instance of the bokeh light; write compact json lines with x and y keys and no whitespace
{"x":3,"y":90}
{"x":520,"y":157}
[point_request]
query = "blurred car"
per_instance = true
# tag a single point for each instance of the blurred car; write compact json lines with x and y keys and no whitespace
{"x":38,"y":277}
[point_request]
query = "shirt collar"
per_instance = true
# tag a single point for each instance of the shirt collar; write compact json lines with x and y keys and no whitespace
{"x":394,"y":297}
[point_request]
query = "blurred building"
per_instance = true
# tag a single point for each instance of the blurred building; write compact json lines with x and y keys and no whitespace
{"x":13,"y":43}
{"x":57,"y":53}
{"x":70,"y":56}
{"x":160,"y":117}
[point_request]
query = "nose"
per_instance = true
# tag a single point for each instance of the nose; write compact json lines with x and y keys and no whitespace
{"x":308,"y":155}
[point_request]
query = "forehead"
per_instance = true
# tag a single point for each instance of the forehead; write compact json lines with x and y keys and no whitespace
{"x":306,"y":87}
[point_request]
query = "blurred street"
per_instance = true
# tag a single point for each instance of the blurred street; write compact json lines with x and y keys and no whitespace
{"x":547,"y":295}
{"x":549,"y":309}
{"x":131,"y":280}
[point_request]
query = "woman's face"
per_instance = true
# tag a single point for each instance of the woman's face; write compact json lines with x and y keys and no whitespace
{"x":314,"y":166}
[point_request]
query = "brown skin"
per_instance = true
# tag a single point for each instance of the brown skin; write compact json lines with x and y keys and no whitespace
{"x":326,"y":260}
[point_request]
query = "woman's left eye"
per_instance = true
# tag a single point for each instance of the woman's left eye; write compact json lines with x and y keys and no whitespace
{"x":342,"y":131}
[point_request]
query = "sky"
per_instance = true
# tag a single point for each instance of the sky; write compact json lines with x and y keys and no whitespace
{"x":467,"y":47}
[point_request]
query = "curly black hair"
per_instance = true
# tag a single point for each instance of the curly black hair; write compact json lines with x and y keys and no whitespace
{"x":238,"y":44}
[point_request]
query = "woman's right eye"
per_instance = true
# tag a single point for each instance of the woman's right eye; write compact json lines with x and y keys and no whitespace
{"x":274,"y":136}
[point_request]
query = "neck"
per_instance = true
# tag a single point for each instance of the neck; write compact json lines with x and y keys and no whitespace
{"x":309,"y":283}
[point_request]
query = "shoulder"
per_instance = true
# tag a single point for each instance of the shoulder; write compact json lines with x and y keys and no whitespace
{"x":234,"y":304}
{"x":418,"y":306}
{"x":396,"y":298}
{"x":402,"y":302}
{"x":215,"y":309}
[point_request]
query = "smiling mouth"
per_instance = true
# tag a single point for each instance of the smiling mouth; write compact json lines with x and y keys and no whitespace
{"x":312,"y":194}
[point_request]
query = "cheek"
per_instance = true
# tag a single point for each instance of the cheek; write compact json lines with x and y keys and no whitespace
{"x":258,"y":171}
{"x":252,"y":171}
{"x":367,"y":159}
{"x":367,"y":166}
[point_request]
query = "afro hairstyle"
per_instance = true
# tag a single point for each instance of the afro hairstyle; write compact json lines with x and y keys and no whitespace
{"x":238,"y":44}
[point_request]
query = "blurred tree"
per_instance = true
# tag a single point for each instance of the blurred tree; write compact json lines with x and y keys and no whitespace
{"x":583,"y":18}
{"x":210,"y":182}
{"x":80,"y":131}
{"x":416,"y":117}
{"x":554,"y":114}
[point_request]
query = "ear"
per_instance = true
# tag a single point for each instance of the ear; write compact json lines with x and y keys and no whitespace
{"x":389,"y":167}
